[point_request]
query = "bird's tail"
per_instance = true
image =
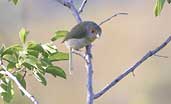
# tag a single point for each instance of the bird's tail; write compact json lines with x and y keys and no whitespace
{"x":70,"y":61}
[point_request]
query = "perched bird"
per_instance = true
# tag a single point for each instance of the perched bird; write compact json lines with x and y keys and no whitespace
{"x":80,"y":36}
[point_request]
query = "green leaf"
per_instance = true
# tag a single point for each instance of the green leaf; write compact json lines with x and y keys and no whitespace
{"x":58,"y":35}
{"x":33,"y":53}
{"x":21,"y":80}
{"x":35,"y":49}
{"x":169,"y":1}
{"x":10,"y":58}
{"x":15,"y":1}
{"x":56,"y":71}
{"x":7,"y":91}
{"x":31,"y":60}
{"x":40,"y":78}
{"x":11,"y":66}
{"x":40,"y":68}
{"x":6,"y":97}
{"x":158,"y":7}
{"x":58,"y":56}
{"x":49,"y":48}
{"x":12,"y":49}
{"x":1,"y":75}
{"x":23,"y":35}
{"x":28,"y":66}
{"x":34,"y":46}
{"x":45,"y":62}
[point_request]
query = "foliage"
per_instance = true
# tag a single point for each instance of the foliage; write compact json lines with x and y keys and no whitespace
{"x":58,"y":35}
{"x":29,"y":56}
{"x":159,"y":6}
{"x":15,"y":1}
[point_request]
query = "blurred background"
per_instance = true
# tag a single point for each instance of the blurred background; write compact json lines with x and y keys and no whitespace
{"x":125,"y":40}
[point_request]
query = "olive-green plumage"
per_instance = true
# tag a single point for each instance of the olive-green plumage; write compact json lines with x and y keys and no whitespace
{"x":80,"y":36}
{"x":80,"y":30}
{"x":77,"y":32}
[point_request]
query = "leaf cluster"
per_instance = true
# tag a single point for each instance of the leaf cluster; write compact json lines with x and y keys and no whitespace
{"x":28,"y":56}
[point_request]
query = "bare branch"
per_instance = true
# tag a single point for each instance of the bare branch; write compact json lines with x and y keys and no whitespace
{"x":82,"y":6}
{"x":108,"y":19}
{"x":70,"y":5}
{"x":11,"y":76}
{"x":131,"y":69}
{"x":89,"y":66}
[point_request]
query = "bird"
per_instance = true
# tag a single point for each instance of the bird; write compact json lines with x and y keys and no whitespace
{"x":80,"y":36}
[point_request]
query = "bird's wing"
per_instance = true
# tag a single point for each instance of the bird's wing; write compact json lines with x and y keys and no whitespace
{"x":77,"y":32}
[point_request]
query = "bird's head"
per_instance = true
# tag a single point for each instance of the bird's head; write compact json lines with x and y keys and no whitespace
{"x":94,"y":30}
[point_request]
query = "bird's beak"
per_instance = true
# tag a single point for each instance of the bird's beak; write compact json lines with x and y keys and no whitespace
{"x":97,"y":36}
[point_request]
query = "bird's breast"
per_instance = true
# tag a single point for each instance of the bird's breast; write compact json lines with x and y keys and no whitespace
{"x":77,"y":43}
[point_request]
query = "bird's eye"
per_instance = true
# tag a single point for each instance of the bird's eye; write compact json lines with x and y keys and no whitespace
{"x":92,"y":31}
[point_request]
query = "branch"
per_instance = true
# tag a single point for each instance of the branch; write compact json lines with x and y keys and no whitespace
{"x":11,"y":76}
{"x":89,"y":66}
{"x":108,"y":19}
{"x":79,"y":54}
{"x":70,"y":5}
{"x":82,"y":6}
{"x":131,"y":69}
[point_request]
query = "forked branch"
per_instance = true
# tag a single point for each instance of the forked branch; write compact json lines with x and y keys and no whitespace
{"x":132,"y":68}
{"x":90,"y":94}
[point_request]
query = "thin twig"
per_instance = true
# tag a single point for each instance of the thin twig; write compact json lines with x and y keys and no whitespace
{"x":11,"y":76}
{"x":131,"y":69}
{"x":80,"y":10}
{"x":25,"y":73}
{"x":79,"y":54}
{"x":108,"y":19}
{"x":160,"y":56}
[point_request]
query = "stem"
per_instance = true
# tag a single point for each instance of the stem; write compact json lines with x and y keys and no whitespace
{"x":11,"y":76}
{"x":89,"y":66}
